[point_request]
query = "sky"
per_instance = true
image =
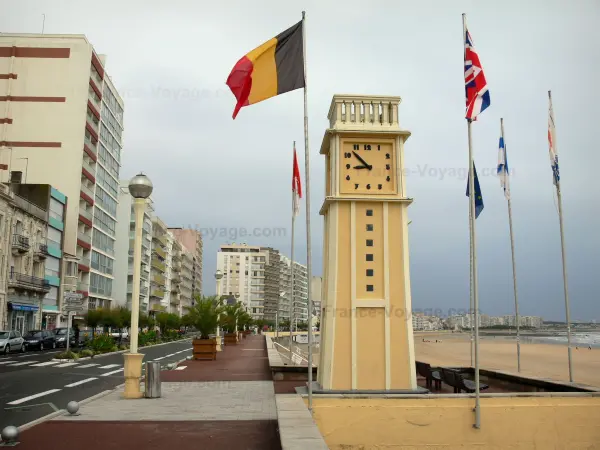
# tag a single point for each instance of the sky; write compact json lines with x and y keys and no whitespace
{"x":170,"y":61}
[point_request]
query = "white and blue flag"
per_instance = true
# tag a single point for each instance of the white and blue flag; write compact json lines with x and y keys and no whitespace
{"x":502,"y":170}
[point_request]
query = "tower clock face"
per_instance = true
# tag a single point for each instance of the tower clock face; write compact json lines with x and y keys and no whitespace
{"x":367,"y":167}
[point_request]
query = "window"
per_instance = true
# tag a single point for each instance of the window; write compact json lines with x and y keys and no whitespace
{"x":103,"y":242}
{"x":108,"y":161}
{"x":369,"y":212}
{"x":370,"y":288}
{"x":369,"y":257}
{"x":54,"y":237}
{"x":369,"y":227}
{"x":106,"y":202}
{"x":51,"y":296}
{"x":100,"y":285}
{"x":104,"y":179}
{"x":110,"y":142}
{"x":369,"y":272}
{"x":52,"y":267}
{"x":102,"y":263}
{"x":71,"y":269}
{"x":369,"y":242}
{"x":57,"y":209}
{"x":104,"y":221}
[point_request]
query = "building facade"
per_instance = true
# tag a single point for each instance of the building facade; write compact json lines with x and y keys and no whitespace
{"x":300,"y":289}
{"x":64,"y":128}
{"x":158,"y":267}
{"x":272,"y":283}
{"x":186,"y":285}
{"x":191,"y":241}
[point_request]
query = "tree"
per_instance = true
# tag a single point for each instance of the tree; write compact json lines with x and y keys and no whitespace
{"x":231,"y":314}
{"x":244,"y":320}
{"x":121,"y":318}
{"x":187,"y":321}
{"x":204,"y":316}
{"x":284,"y":324}
{"x":93,"y":319}
{"x":260,"y":324}
{"x":303,"y":326}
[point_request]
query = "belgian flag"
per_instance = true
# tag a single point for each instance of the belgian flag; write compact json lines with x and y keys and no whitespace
{"x":273,"y":68}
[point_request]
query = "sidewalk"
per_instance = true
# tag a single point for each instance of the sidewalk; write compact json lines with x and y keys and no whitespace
{"x":227,"y":403}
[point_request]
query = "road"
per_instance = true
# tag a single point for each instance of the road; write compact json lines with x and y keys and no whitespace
{"x":32,"y":385}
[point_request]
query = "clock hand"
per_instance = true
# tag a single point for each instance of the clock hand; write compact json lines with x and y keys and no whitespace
{"x":367,"y":165}
{"x":362,"y":167}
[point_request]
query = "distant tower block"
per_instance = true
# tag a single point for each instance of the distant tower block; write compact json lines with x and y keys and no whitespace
{"x":367,"y":337}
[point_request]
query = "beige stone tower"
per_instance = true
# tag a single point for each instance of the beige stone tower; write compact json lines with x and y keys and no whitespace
{"x":367,"y":337}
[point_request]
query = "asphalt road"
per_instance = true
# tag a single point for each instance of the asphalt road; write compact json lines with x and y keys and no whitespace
{"x":32,"y":385}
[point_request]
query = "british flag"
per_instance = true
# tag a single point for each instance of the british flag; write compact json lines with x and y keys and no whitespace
{"x":477,"y":94}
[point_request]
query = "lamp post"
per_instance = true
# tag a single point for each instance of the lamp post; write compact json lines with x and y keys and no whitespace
{"x":140,"y":188}
{"x":218,"y":277}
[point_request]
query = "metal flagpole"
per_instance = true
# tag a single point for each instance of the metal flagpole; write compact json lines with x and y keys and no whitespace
{"x":292,"y":272}
{"x":562,"y":246}
{"x":471,"y":341}
{"x":308,"y":237}
{"x":512,"y":249}
{"x":472,"y":195}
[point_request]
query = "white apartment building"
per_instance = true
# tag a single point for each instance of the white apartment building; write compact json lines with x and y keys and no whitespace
{"x":186,"y":284}
{"x":316,"y":290}
{"x":191,"y":241}
{"x":422,"y":322}
{"x":125,"y":235}
{"x":62,"y":125}
{"x":300,"y":290}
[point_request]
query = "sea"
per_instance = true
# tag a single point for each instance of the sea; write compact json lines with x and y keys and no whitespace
{"x":578,"y":339}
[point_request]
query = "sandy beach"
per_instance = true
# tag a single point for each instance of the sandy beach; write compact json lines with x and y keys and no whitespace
{"x":537,"y":360}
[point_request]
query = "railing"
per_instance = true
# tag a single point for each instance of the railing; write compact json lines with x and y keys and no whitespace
{"x":20,"y":242}
{"x":30,"y":282}
{"x":158,"y":265}
{"x":157,"y":293}
{"x":91,"y":119}
{"x":86,"y":190}
{"x":30,"y":208}
{"x":90,"y":144}
{"x":84,"y":237}
{"x":159,"y":280}
{"x":91,"y":169}
{"x":94,"y":98}
{"x":160,"y":238}
{"x":81,"y":286}
{"x":42,"y":249}
{"x":160,"y":252}
{"x":86,"y":213}
{"x":85,"y":260}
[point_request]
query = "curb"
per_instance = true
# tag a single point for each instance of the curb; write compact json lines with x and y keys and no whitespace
{"x":62,"y":412}
{"x":116,"y":353}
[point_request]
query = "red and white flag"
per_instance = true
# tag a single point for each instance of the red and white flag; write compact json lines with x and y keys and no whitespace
{"x":296,"y":187}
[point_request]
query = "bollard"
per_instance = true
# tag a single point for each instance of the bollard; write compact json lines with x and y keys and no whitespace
{"x":72,"y":408}
{"x":153,"y":379}
{"x":9,"y":436}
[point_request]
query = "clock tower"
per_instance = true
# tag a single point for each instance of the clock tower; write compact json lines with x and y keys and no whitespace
{"x":367,"y":337}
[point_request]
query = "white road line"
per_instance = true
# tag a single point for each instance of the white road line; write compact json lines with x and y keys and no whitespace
{"x":85,"y":366}
{"x":110,"y":366}
{"x":112,"y":373}
{"x":68,"y":364}
{"x":181,"y":368}
{"x":158,"y":359}
{"x":168,"y":356}
{"x":31,"y":397}
{"x":47,"y":363}
{"x":20,"y":363}
{"x":77,"y":383}
{"x":8,"y":361}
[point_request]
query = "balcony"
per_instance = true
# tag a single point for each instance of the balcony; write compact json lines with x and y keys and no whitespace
{"x":86,"y":214}
{"x":87,"y":191}
{"x":89,"y":167}
{"x":84,"y":263}
{"x":41,"y":251}
{"x":175,"y":289}
{"x":20,"y":243}
{"x":87,"y":141}
{"x":156,"y":264}
{"x":175,"y":299}
{"x":157,"y":293}
{"x":160,"y":238}
{"x":30,"y":208}
{"x":28,"y":282}
{"x":84,"y":237}
{"x":160,"y":252}
{"x":175,"y":277}
{"x":158,"y":280}
{"x":91,"y":119}
{"x":93,"y":97}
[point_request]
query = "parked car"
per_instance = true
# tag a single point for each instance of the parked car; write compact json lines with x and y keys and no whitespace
{"x":61,"y":337}
{"x":116,"y":334}
{"x":40,"y":339}
{"x":11,"y":341}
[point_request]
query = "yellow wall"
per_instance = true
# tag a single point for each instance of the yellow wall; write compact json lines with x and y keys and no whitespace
{"x":506,"y":423}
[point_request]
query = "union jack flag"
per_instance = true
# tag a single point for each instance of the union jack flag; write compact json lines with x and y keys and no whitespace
{"x":477,"y":94}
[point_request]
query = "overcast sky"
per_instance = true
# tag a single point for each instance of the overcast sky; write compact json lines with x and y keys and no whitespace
{"x":170,"y":61}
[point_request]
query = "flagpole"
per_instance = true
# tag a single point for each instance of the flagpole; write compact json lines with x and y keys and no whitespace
{"x":292,"y":273}
{"x":471,"y":340}
{"x":564,"y":258}
{"x":474,"y":271}
{"x":308,"y":237}
{"x":512,"y":249}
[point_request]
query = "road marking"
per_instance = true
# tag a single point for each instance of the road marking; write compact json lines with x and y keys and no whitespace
{"x":31,"y":397}
{"x":47,"y":363}
{"x":181,"y":368}
{"x":168,"y":356}
{"x":77,"y":383}
{"x":85,"y":366}
{"x":110,"y":366}
{"x":68,"y":364}
{"x":158,"y":359}
{"x":7,"y":362}
{"x":20,"y":363}
{"x":112,"y":373}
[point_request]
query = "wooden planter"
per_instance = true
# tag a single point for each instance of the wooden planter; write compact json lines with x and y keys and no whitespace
{"x":205,"y":349}
{"x":231,"y":338}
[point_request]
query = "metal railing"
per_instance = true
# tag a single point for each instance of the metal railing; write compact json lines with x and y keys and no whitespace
{"x":42,"y":249}
{"x":30,"y":282}
{"x":158,"y":265}
{"x":20,"y":242}
{"x":90,"y":144}
{"x":159,"y":293}
{"x":85,"y":260}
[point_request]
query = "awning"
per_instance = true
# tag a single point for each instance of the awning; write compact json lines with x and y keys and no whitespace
{"x":21,"y":307}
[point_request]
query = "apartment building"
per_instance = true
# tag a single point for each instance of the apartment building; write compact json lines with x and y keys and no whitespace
{"x":125,"y":236}
{"x":186,"y":285}
{"x":175,"y":279}
{"x":316,"y":290}
{"x":63,"y":127}
{"x":300,"y":291}
{"x":158,"y":267}
{"x":272,"y":284}
{"x":191,"y":240}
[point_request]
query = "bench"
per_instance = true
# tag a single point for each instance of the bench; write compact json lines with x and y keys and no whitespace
{"x":431,"y":374}
{"x":459,"y":383}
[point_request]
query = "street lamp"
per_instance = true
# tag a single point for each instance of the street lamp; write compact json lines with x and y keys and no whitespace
{"x":281,"y":295}
{"x":140,"y":188}
{"x":218,"y":277}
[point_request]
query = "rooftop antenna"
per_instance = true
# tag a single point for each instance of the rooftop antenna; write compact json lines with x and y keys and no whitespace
{"x":43,"y":22}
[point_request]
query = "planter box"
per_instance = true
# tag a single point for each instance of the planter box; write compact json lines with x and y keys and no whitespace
{"x":231,"y":339}
{"x":205,"y":349}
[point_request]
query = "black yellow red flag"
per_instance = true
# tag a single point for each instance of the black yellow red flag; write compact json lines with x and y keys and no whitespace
{"x":273,"y":68}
